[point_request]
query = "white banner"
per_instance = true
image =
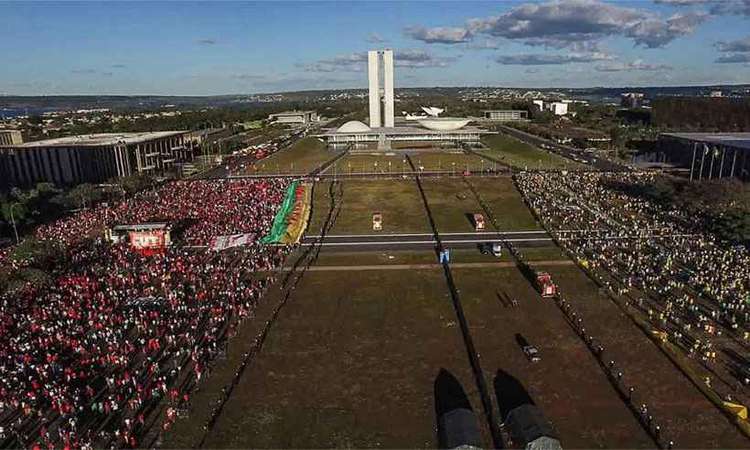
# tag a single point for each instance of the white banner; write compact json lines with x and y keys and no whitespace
{"x":220,"y":243}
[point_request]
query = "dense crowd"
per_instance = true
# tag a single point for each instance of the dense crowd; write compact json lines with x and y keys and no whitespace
{"x":119,"y":334}
{"x":692,"y":287}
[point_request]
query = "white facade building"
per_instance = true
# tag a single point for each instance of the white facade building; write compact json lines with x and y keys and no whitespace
{"x":557,"y":108}
{"x":294,"y":117}
{"x":381,"y":102}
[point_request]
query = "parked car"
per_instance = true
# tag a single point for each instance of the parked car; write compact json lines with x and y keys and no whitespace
{"x":532,"y":353}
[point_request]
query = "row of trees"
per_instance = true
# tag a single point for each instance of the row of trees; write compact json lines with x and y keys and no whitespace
{"x":701,"y":113}
{"x":46,"y":202}
{"x":33,"y":261}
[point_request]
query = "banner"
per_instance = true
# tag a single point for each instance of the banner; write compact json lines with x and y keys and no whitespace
{"x":220,"y":243}
{"x":298,"y":218}
{"x":143,"y":240}
{"x":279,"y":222}
{"x":293,"y":215}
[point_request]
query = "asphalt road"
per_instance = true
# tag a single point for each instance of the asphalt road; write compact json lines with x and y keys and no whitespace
{"x":421,"y":241}
{"x":566,"y":151}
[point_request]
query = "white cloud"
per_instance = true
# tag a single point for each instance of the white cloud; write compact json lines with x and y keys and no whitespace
{"x":739,"y":45}
{"x":356,"y":62}
{"x":439,"y":35}
{"x":567,"y":23}
{"x":637,"y":65}
{"x":737,"y":51}
{"x":542,"y":59}
{"x":731,"y":58}
{"x":716,"y":7}
{"x":375,"y":38}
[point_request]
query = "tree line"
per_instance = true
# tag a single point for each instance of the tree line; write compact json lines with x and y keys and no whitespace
{"x":701,"y":113}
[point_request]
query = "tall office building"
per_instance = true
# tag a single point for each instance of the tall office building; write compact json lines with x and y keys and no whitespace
{"x":381,"y":102}
{"x":388,"y":88}
{"x":374,"y":79}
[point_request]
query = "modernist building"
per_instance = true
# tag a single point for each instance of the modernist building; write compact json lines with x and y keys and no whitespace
{"x":505,"y":115}
{"x":707,"y":155}
{"x":10,"y":137}
{"x":294,"y":117}
{"x":631,"y":99}
{"x":92,"y":158}
{"x":357,"y":135}
{"x":381,"y":101}
{"x":444,"y":131}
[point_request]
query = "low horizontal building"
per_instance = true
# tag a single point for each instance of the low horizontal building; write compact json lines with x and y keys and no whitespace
{"x":505,"y":115}
{"x":294,"y":117}
{"x":356,"y":135}
{"x":707,"y":155}
{"x":10,"y":137}
{"x":92,"y":158}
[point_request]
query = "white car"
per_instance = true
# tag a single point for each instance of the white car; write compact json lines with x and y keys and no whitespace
{"x":532,"y":353}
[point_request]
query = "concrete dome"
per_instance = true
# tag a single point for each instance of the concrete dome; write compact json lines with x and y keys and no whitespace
{"x":353,"y":126}
{"x":444,"y":123}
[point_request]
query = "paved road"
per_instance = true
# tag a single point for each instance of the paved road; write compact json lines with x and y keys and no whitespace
{"x":374,"y":175}
{"x":564,"y":150}
{"x":474,"y":265}
{"x":409,"y":241}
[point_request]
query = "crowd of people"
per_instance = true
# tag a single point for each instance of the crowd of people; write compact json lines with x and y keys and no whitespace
{"x":121,"y":335}
{"x":692,"y":287}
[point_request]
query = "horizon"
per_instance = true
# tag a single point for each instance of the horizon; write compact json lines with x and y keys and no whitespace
{"x":248,"y":48}
{"x":674,"y":86}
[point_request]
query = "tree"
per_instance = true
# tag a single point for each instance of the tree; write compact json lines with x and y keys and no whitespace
{"x":84,"y":194}
{"x":41,"y":254}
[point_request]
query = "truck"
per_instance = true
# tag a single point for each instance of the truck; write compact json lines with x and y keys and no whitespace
{"x":377,"y":221}
{"x":545,"y":285}
{"x":478,"y":222}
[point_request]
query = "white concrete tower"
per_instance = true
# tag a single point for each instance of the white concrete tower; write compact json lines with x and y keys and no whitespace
{"x":374,"y":79}
{"x":388,"y":88}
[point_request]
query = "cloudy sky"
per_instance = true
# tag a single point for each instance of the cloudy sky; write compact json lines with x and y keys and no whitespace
{"x":180,"y":48}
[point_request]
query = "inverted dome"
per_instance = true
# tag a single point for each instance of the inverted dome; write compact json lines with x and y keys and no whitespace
{"x":353,"y":126}
{"x":444,"y":123}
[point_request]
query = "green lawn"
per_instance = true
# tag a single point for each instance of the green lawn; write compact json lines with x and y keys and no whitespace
{"x":452,"y":204}
{"x":522,"y":155}
{"x":429,"y":161}
{"x":369,"y":163}
{"x":454,"y":161}
{"x":300,"y":158}
{"x":397,"y":200}
{"x":403,"y":210}
{"x":506,"y":203}
{"x":351,"y":362}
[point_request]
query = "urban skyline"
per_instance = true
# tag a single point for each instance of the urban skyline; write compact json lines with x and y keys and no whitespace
{"x":230,"y":48}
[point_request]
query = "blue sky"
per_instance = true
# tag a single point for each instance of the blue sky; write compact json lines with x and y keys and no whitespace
{"x":181,"y":48}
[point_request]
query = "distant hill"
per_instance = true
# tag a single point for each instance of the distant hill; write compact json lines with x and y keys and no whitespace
{"x":151,"y":102}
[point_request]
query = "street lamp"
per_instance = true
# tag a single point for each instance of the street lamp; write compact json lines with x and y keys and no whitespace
{"x":13,"y":220}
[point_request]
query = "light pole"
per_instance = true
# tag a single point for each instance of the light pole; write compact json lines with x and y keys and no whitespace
{"x":13,"y":220}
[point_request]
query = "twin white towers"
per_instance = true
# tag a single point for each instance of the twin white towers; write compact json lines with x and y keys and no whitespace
{"x":381,"y":100}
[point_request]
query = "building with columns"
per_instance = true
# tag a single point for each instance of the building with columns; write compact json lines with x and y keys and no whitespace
{"x":10,"y":137}
{"x":92,"y":158}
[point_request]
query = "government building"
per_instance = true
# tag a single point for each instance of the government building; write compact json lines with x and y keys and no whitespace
{"x":92,"y":158}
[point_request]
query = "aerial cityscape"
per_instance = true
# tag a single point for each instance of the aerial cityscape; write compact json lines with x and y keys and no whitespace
{"x":371,"y":224}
